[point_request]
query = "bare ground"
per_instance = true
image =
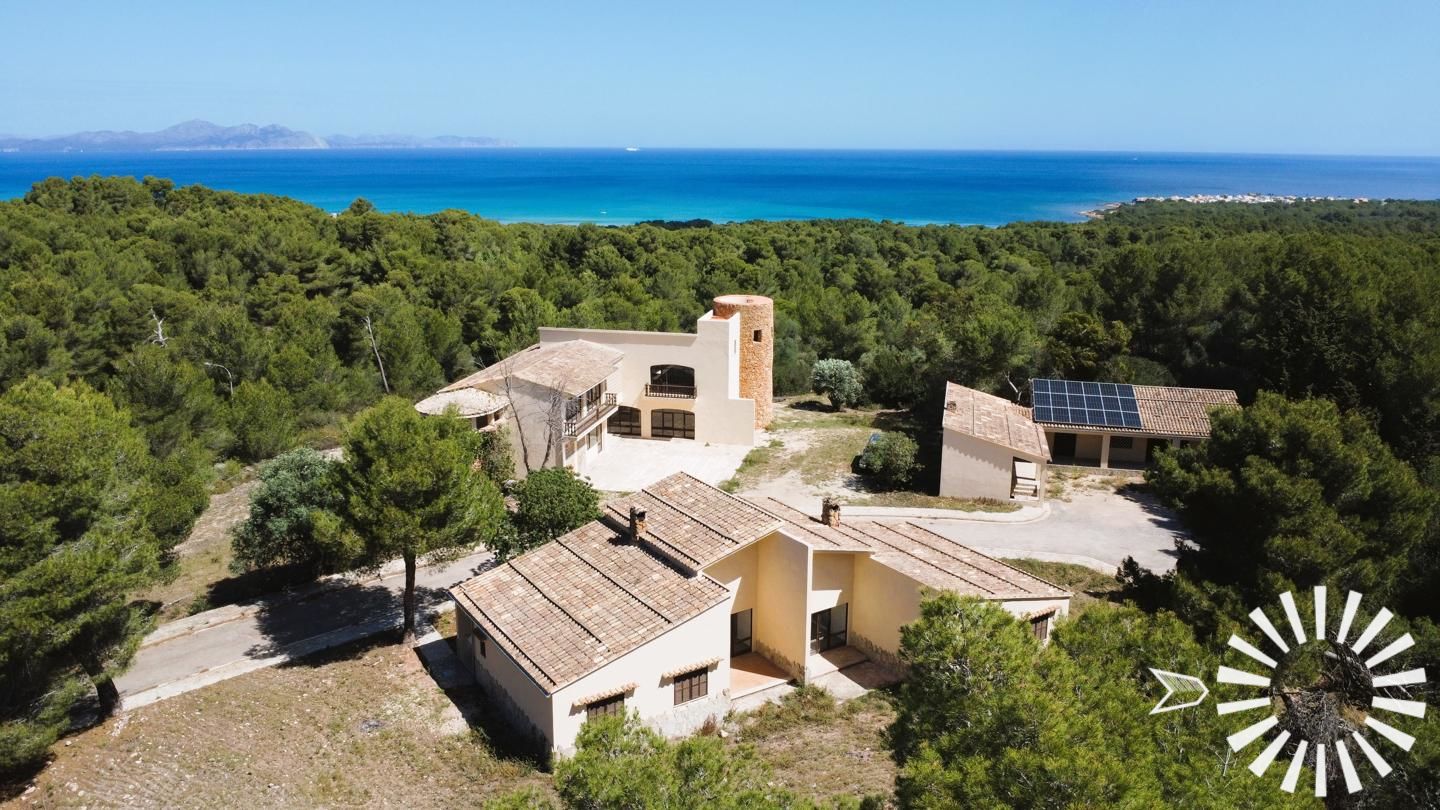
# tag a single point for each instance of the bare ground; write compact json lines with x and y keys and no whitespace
{"x":358,"y":727}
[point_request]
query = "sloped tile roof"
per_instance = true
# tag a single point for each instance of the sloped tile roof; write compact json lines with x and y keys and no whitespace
{"x":572,"y":366}
{"x":992,"y":419}
{"x":920,"y":554}
{"x":1166,"y":411}
{"x":569,"y":607}
{"x":573,"y":605}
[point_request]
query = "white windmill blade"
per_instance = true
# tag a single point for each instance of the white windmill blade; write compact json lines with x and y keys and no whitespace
{"x":1178,"y":685}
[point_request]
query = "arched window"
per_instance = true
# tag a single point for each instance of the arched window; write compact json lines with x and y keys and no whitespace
{"x":671,"y":381}
{"x":668,"y":424}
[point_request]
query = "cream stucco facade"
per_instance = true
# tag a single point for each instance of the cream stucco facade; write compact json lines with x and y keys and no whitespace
{"x":784,"y":580}
{"x":971,"y":467}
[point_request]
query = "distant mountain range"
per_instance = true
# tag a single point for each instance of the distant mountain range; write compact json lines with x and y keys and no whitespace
{"x":203,"y":135}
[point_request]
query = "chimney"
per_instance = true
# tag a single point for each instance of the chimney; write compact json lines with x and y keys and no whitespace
{"x":637,"y":523}
{"x":830,"y":512}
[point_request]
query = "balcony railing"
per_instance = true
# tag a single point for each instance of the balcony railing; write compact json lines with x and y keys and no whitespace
{"x":670,"y":391}
{"x":583,"y":421}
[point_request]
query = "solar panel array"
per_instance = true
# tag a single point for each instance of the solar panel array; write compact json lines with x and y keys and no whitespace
{"x":1085,"y":403}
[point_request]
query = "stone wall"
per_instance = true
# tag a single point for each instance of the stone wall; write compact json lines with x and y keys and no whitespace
{"x":757,"y":356}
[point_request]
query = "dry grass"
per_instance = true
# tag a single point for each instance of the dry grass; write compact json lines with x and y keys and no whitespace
{"x":919,"y":500}
{"x":1089,"y":586}
{"x":203,"y":559}
{"x":358,"y":727}
{"x":821,"y":748}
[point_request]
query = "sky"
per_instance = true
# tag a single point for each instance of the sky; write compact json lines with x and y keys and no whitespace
{"x":1280,"y":76}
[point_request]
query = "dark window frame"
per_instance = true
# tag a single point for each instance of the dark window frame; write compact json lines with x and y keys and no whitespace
{"x":759,"y":335}
{"x":613,"y":706}
{"x":692,"y":685}
{"x":621,"y":420}
{"x":1040,"y":627}
{"x":672,"y":374}
{"x":663,"y":424}
{"x":1122,"y":442}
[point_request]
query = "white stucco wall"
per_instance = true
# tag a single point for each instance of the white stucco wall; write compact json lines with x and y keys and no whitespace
{"x":831,"y":579}
{"x":510,"y":689}
{"x":721,"y":416}
{"x":974,"y":468}
{"x":703,"y":637}
{"x":741,"y":574}
{"x":782,"y":622}
{"x":884,"y":601}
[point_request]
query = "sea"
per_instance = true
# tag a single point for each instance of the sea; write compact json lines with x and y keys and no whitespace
{"x":619,"y":186}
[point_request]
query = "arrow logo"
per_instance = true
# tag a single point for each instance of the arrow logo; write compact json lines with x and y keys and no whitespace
{"x":1179,"y":686}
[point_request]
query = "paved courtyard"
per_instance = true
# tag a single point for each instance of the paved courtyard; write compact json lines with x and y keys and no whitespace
{"x":630,"y":463}
{"x":1095,"y":528}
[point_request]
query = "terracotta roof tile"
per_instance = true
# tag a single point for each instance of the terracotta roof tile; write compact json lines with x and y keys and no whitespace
{"x":992,"y":419}
{"x":572,"y":366}
{"x":1167,"y":411}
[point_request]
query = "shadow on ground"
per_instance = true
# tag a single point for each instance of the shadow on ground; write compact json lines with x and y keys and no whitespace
{"x":1158,"y":513}
{"x":488,"y":726}
{"x":305,"y":627}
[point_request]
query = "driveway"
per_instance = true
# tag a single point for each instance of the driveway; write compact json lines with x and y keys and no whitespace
{"x":223,"y":643}
{"x":629,"y":463}
{"x":1095,"y":528}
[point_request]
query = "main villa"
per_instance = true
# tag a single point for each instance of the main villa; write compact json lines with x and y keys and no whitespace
{"x":563,"y":396}
{"x":682,"y":598}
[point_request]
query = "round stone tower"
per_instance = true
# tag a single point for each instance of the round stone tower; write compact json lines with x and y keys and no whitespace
{"x":757,"y":349}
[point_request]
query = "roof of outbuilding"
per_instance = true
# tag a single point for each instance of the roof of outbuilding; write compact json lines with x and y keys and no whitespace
{"x":572,"y":366}
{"x":992,"y":419}
{"x":467,"y":402}
{"x":1169,"y":411}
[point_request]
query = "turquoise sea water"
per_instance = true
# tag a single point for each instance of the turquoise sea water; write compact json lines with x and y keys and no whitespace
{"x":612,"y":186}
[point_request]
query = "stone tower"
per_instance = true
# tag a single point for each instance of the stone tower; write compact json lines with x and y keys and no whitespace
{"x":757,"y":349}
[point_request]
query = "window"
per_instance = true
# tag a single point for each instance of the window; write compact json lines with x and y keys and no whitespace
{"x":625,"y":421}
{"x":1122,"y":442}
{"x":759,"y":335}
{"x":605,"y":707}
{"x":480,"y":642}
{"x":1040,"y":626}
{"x":672,"y":424}
{"x":672,"y":375}
{"x":740,"y":632}
{"x":691,"y":685}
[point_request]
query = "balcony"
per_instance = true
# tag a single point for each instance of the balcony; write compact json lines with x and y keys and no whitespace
{"x":580,"y":423}
{"x":670,"y":391}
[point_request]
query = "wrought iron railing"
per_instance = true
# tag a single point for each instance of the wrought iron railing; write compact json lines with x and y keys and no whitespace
{"x":670,"y":391}
{"x":583,"y":421}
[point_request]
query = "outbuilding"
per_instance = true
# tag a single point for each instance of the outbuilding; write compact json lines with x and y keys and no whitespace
{"x":991,"y":448}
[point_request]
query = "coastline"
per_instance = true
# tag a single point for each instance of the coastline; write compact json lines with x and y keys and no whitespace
{"x":1208,"y":199}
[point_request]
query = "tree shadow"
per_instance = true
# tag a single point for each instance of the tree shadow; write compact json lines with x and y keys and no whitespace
{"x":928,"y":438}
{"x":814,"y":406}
{"x":252,"y":585}
{"x":332,"y":618}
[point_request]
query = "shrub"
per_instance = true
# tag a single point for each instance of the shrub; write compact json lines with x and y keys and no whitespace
{"x":889,"y":460}
{"x":838,"y":380}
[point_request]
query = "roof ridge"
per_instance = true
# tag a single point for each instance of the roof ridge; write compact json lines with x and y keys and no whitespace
{"x":995,"y":560}
{"x":687,"y":513}
{"x":652,"y":535}
{"x":614,"y":581}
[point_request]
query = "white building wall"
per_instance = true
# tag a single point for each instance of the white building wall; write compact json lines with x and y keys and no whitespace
{"x":782,"y":624}
{"x":721,"y":415}
{"x":974,"y":468}
{"x":517,"y":696}
{"x":703,"y":637}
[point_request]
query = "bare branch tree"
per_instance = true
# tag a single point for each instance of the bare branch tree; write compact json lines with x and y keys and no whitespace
{"x":375,"y":347}
{"x":158,"y":336}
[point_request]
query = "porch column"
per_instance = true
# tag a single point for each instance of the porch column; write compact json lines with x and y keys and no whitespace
{"x":1105,"y":451}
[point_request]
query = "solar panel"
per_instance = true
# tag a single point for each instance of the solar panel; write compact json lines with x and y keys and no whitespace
{"x":1074,"y":402}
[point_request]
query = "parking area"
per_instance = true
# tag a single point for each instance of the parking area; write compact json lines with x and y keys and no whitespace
{"x":1096,"y":528}
{"x":629,"y":463}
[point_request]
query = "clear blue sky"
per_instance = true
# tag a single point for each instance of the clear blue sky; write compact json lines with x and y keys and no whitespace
{"x":1191,"y":75}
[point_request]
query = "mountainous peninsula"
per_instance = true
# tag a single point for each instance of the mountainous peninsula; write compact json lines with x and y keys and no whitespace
{"x":204,"y":136}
